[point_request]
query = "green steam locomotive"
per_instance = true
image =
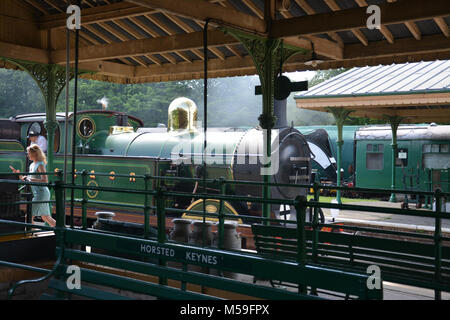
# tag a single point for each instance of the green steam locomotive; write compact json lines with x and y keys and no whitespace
{"x":118,"y":144}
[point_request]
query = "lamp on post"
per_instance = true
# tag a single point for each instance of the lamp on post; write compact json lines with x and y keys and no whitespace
{"x":314,"y":60}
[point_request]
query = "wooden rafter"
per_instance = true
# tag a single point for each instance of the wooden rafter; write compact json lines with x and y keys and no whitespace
{"x":202,"y":10}
{"x":97,"y":14}
{"x":443,"y":26}
{"x":397,"y":12}
{"x":358,"y":34}
{"x":129,"y":32}
{"x":412,"y":27}
{"x":310,"y":11}
{"x":383,"y":29}
{"x":428,"y":44}
{"x":37,"y":6}
{"x":141,"y":47}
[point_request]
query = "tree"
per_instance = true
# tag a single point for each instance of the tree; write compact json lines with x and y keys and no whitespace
{"x":323,"y":75}
{"x":14,"y":99}
{"x":303,"y":117}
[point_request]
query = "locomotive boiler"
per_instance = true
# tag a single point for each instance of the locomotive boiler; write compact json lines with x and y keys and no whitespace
{"x":234,"y":154}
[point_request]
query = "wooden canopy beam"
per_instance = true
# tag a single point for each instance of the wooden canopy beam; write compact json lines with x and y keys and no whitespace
{"x":142,"y":47}
{"x":323,"y":47}
{"x":97,"y":14}
{"x":391,"y":13}
{"x":434,"y":43}
{"x":202,"y":10}
{"x":14,"y":51}
{"x":409,"y":116}
{"x":194,"y":40}
{"x":367,"y":103}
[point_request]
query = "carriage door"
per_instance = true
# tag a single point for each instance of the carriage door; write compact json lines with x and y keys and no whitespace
{"x":437,"y":158}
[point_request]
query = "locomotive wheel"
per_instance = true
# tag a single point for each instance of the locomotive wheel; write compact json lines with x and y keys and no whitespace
{"x":212,"y":206}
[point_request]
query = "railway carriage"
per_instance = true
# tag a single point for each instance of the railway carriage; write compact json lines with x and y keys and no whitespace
{"x":422,"y":157}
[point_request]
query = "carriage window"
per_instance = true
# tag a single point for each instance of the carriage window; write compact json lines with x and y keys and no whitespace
{"x":375,"y":157}
{"x":374,"y":161}
{"x":426,"y":148}
{"x":375,"y":148}
{"x":444,"y":148}
{"x":435,"y":148}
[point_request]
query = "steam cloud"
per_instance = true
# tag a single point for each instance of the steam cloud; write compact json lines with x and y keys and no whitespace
{"x":104,"y":102}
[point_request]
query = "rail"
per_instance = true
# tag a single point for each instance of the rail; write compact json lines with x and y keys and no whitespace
{"x":159,"y":195}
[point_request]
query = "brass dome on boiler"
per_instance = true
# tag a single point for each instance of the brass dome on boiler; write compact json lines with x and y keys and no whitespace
{"x":183,"y":114}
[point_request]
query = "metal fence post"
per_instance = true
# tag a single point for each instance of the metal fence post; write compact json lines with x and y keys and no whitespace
{"x":146,"y":207}
{"x":300,"y":206}
{"x":60,"y":214}
{"x":428,"y":187}
{"x":315,"y":235}
{"x":161,"y":220}
{"x":438,"y":243}
{"x":220,"y":227}
{"x":84,"y":200}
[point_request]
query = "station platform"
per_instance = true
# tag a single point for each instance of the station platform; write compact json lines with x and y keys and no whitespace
{"x":391,"y":291}
{"x":384,"y":219}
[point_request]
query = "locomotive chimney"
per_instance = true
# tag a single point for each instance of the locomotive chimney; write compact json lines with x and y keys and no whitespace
{"x":280,"y":111}
{"x":283,"y":88}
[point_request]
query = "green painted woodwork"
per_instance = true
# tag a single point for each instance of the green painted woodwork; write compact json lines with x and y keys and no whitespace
{"x":339,"y":255}
{"x":394,"y":122}
{"x":263,"y":292}
{"x":102,"y":164}
{"x":12,"y":153}
{"x":382,"y":178}
{"x":340,"y":115}
{"x":342,"y":249}
{"x":323,"y":277}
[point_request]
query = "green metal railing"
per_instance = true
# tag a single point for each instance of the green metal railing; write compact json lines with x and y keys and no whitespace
{"x":306,"y":249}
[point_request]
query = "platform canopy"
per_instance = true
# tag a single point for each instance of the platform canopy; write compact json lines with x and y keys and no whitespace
{"x":415,"y":92}
{"x":161,"y":40}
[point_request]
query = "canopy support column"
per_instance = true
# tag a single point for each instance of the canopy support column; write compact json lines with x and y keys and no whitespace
{"x":55,"y":83}
{"x":340,"y":115}
{"x":268,"y":55}
{"x":394,"y":122}
{"x":51,"y":80}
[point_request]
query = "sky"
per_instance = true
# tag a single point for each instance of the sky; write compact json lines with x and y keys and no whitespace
{"x":300,"y":75}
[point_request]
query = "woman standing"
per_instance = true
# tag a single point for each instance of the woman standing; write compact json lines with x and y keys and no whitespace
{"x":40,"y":193}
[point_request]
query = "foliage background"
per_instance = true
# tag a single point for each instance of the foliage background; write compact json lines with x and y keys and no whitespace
{"x":231,"y":101}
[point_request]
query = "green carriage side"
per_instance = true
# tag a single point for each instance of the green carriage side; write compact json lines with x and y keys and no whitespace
{"x":422,"y":157}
